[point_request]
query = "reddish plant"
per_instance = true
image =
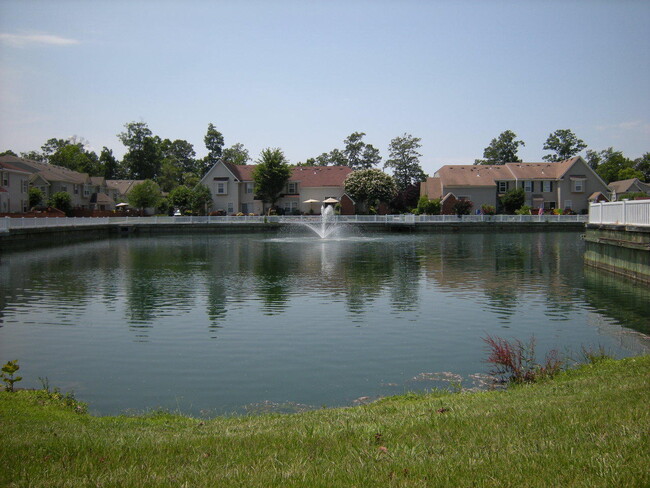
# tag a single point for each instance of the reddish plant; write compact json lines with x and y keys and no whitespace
{"x":515,"y":361}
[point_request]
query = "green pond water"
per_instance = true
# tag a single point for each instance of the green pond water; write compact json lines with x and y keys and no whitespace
{"x":210,"y":324}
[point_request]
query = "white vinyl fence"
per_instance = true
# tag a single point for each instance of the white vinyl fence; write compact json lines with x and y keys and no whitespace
{"x":7,"y":223}
{"x":626,"y":212}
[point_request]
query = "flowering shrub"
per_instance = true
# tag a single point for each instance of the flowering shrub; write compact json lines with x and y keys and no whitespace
{"x":488,"y":209}
{"x":463,"y":207}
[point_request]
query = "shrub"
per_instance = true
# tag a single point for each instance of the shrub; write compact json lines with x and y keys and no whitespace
{"x":515,"y":361}
{"x":62,"y":201}
{"x":513,"y":199}
{"x":428,"y":207}
{"x":463,"y":207}
{"x":524,"y":210}
{"x":488,"y":209}
{"x":7,"y":375}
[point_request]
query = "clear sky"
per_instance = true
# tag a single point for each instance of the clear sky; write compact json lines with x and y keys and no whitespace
{"x":303,"y":75}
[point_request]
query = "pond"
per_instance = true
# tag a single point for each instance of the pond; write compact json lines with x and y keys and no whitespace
{"x":220,"y":324}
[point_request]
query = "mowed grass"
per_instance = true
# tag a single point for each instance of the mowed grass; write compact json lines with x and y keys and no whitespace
{"x":588,"y":427}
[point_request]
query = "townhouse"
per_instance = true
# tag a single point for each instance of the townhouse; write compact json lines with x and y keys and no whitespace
{"x":232,"y":188}
{"x":569,"y":184}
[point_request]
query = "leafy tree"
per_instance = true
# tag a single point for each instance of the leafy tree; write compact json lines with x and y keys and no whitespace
{"x":62,"y":201}
{"x":34,"y":156}
{"x":201,"y":199}
{"x":181,"y":198}
{"x":629,"y":173}
{"x":370,"y":186}
{"x":109,"y":163}
{"x":333,"y":158}
{"x":270,"y":175}
{"x":502,"y":150}
{"x":170,"y":176}
{"x":609,"y":164}
{"x":565,"y":145}
{"x":144,"y":156}
{"x":405,"y":161}
{"x":214,"y":143}
{"x":358,"y":154}
{"x":53,"y":145}
{"x":145,"y":195}
{"x":180,"y":153}
{"x":236,"y":154}
{"x":76,"y":158}
{"x":513,"y":199}
{"x":643,"y":164}
{"x":8,"y":152}
{"x":35,"y":197}
{"x":406,"y":199}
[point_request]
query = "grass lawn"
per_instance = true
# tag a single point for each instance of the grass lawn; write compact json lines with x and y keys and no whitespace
{"x":587,"y":427}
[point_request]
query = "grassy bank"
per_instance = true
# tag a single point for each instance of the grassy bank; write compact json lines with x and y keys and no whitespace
{"x":588,"y":427}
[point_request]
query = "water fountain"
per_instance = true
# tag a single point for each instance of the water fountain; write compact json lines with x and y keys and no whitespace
{"x":328,"y":227}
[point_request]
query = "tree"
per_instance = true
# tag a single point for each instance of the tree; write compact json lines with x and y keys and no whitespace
{"x":145,"y":195}
{"x":270,"y":175}
{"x":180,"y":153}
{"x":333,"y":158}
{"x":428,"y":207}
{"x":565,"y":145}
{"x":201,"y":199}
{"x":358,"y":154}
{"x":629,"y":173}
{"x":502,"y":150}
{"x":8,"y":152}
{"x":144,"y":156}
{"x":214,"y":143}
{"x":609,"y":164}
{"x":35,"y":197}
{"x":62,"y":201}
{"x":513,"y":200}
{"x":370,"y":186}
{"x":109,"y":163}
{"x":643,"y":164}
{"x":405,"y":161}
{"x":34,"y":156}
{"x":236,"y":154}
{"x":76,"y":158}
{"x":181,"y":198}
{"x":170,"y":176}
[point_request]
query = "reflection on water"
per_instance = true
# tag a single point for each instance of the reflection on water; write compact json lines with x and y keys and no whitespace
{"x":218,"y":322}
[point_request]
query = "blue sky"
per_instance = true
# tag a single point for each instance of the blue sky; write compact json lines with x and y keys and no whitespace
{"x":303,"y":75}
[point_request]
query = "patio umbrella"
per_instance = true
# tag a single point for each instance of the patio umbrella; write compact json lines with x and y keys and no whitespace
{"x":122,"y":205}
{"x":310,"y":202}
{"x":331,"y":200}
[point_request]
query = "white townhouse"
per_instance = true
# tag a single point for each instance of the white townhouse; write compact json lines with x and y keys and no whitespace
{"x":14,"y":188}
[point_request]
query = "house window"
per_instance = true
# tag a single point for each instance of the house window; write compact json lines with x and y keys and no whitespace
{"x":528,"y":186}
{"x":290,"y":207}
{"x":503,"y":186}
{"x":25,"y":186}
{"x":64,"y":188}
{"x":231,"y":208}
{"x":75,"y":188}
{"x":249,"y":188}
{"x":568,"y":204}
{"x":547,"y":187}
{"x":5,"y":179}
{"x":549,"y":205}
{"x":221,"y":188}
{"x":292,"y":188}
{"x":578,"y":186}
{"x":86,"y":191}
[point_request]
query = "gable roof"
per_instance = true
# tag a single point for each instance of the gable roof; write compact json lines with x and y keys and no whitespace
{"x":318,"y":176}
{"x":11,"y":167}
{"x":122,"y":186}
{"x":48,"y":172}
{"x":625,"y":186}
{"x":473,"y":175}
